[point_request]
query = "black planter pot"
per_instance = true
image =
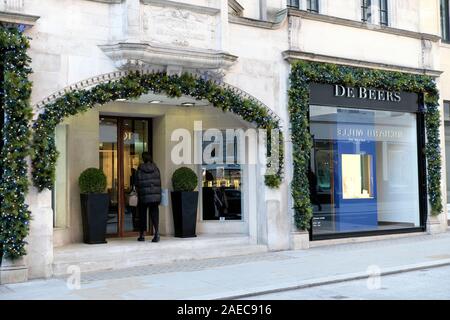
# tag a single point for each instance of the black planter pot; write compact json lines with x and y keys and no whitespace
{"x":94,"y":211}
{"x":184,"y":209}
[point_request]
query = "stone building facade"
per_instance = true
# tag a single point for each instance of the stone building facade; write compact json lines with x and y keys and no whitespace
{"x":247,"y":44}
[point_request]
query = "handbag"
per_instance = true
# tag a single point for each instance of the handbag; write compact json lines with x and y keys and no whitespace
{"x":133,"y":198}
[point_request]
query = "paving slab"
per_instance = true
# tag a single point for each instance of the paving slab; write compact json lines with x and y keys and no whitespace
{"x":237,"y":277}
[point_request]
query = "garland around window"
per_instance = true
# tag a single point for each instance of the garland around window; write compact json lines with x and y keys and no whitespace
{"x":303,"y":73}
{"x":15,"y":102}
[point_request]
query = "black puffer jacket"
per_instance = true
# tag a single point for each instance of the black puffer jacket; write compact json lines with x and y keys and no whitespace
{"x":148,"y":183}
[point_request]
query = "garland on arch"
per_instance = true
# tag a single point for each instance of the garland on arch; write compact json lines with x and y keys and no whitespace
{"x":15,"y":133}
{"x":303,"y":73}
{"x":133,"y":86}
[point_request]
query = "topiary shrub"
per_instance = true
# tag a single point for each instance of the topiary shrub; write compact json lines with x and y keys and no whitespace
{"x":92,"y":180}
{"x":184,"y":179}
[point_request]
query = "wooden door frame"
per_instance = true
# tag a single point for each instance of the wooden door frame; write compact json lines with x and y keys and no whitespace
{"x":121,"y":172}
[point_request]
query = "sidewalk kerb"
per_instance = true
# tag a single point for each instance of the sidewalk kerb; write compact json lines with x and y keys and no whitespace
{"x":303,"y":284}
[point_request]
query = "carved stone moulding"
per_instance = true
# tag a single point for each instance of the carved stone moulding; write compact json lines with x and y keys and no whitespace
{"x":16,"y":19}
{"x":128,"y":56}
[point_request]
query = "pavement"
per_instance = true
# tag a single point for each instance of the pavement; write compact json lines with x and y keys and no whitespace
{"x":424,"y":284}
{"x":247,"y":276}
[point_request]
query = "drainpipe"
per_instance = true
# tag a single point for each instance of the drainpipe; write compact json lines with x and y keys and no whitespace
{"x":263,"y":10}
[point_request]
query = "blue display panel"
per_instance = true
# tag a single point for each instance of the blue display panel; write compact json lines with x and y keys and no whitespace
{"x":355,"y":188}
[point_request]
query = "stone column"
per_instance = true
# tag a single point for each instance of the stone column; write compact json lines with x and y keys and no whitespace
{"x":439,"y":224}
{"x":277,"y":216}
{"x":278,"y":222}
{"x":13,"y":271}
{"x":39,"y":258}
{"x":38,"y":261}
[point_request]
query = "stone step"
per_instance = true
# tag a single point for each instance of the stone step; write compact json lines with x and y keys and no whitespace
{"x":118,"y":254}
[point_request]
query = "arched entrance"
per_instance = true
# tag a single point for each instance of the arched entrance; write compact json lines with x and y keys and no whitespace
{"x":106,"y":93}
{"x":131,"y":85}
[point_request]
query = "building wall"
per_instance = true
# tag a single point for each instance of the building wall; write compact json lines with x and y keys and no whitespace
{"x":66,"y":48}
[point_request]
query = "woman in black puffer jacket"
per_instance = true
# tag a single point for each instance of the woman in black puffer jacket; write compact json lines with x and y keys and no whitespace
{"x":148,"y":183}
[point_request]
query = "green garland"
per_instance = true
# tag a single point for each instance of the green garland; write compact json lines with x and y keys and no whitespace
{"x":133,"y":86}
{"x":303,"y":73}
{"x":15,"y":103}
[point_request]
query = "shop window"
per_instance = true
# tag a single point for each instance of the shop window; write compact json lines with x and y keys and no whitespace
{"x":312,"y":6}
{"x":364,"y":172}
{"x":384,"y":20}
{"x":445,"y":20}
{"x":221,"y":180}
{"x":365,"y":10}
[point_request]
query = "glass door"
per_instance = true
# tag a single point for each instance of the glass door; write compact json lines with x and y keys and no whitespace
{"x":135,"y":142}
{"x":108,"y":152}
{"x":119,"y":160}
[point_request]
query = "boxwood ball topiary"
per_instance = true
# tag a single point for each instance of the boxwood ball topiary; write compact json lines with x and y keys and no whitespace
{"x":184,"y":179}
{"x":92,"y":180}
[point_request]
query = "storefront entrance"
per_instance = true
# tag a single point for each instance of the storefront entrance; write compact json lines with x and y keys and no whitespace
{"x":122,"y":142}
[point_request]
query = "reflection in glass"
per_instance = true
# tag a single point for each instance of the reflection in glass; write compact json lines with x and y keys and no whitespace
{"x":135,"y":142}
{"x":222,"y":183}
{"x":122,"y":218}
{"x":356,"y":176}
{"x":108,"y":163}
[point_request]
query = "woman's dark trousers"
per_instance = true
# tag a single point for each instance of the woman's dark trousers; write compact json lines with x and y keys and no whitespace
{"x":153,"y":208}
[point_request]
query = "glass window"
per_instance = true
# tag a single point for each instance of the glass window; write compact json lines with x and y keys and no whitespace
{"x":108,"y":157}
{"x":364,"y":173}
{"x":294,"y":3}
{"x":447,"y":110}
{"x":384,"y":12}
{"x":445,"y":20}
{"x":365,"y":11}
{"x":221,"y":180}
{"x":313,"y":6}
{"x":447,"y":144}
{"x":135,"y":142}
{"x":59,"y":192}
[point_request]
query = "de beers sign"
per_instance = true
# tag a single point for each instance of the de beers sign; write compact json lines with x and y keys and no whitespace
{"x":363,"y":97}
{"x":366,"y":93}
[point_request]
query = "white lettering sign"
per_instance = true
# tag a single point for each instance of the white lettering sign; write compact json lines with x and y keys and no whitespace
{"x":365,"y":93}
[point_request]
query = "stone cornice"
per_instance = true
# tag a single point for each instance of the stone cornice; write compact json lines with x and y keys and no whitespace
{"x":361,"y":25}
{"x":180,"y":5}
{"x":292,"y":55}
{"x":279,"y":19}
{"x":15,"y":18}
{"x":130,"y":55}
{"x":236,"y":8}
{"x":108,"y":1}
